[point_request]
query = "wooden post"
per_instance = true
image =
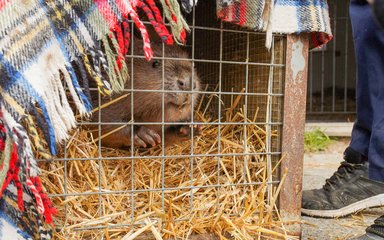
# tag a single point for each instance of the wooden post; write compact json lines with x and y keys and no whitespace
{"x":293,"y":129}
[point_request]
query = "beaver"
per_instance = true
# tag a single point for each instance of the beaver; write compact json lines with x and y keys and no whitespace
{"x":147,"y":106}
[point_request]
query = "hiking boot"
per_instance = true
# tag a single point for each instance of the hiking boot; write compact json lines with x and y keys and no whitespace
{"x":347,"y":191}
{"x":373,"y":232}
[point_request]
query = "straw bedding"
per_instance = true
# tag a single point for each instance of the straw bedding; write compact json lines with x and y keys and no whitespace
{"x":192,"y":204}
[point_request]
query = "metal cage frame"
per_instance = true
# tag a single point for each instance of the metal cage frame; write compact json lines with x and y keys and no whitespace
{"x":293,"y":120}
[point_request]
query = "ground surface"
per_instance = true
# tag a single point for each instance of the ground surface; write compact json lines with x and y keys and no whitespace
{"x":318,"y":167}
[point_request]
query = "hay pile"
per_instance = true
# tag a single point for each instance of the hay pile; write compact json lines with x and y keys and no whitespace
{"x":192,"y":204}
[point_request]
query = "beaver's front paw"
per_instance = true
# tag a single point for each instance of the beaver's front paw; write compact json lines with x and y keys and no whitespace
{"x":145,"y":136}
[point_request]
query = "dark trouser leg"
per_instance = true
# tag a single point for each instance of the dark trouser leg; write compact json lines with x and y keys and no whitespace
{"x":349,"y":189}
{"x":368,"y":131}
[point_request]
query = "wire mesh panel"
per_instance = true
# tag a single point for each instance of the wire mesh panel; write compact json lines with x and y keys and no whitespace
{"x":214,"y":111}
{"x":332,"y":72}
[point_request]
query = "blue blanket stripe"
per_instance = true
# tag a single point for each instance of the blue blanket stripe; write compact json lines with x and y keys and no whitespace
{"x":11,"y":223}
{"x":17,"y":78}
{"x":302,"y":3}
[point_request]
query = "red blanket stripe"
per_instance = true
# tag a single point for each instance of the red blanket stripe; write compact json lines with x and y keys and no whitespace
{"x":44,"y":204}
{"x":12,"y":175}
{"x":243,"y":13}
{"x":107,"y":13}
{"x":114,"y":26}
{"x":161,"y":31}
{"x":127,"y":35}
{"x":129,"y":10}
{"x":159,"y":19}
{"x":3,"y":3}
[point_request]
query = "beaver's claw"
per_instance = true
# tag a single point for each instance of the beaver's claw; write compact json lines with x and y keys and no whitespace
{"x":145,"y":136}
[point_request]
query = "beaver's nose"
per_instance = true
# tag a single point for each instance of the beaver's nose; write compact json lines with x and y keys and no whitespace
{"x":185,"y":83}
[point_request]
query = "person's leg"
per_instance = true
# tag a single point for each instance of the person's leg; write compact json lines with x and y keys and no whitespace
{"x":350,"y":188}
{"x":369,"y":48}
{"x":361,"y":19}
{"x":374,"y":56}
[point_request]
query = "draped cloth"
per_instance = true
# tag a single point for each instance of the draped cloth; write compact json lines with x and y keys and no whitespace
{"x":280,"y":16}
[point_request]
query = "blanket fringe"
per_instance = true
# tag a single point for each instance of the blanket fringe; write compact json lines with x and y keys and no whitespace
{"x":173,"y":14}
{"x":37,"y":143}
{"x":20,"y":166}
{"x":269,"y":36}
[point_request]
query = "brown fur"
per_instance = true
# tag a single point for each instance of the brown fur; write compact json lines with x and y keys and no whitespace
{"x":147,"y":107}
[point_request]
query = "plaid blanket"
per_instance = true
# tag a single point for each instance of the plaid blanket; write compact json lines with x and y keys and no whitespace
{"x":280,"y":16}
{"x":41,"y":43}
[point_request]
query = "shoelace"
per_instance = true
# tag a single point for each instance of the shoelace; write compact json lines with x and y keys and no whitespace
{"x":342,"y":172}
{"x":378,"y":227}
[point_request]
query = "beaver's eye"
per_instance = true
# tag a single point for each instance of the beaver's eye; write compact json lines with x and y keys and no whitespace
{"x":156,"y":64}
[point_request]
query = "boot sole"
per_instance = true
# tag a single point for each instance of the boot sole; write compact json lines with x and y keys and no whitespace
{"x":375,"y":201}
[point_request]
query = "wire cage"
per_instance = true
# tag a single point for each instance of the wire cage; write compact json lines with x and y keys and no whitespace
{"x":223,"y":181}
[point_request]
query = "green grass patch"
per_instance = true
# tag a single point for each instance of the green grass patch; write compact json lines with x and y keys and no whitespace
{"x":316,"y":140}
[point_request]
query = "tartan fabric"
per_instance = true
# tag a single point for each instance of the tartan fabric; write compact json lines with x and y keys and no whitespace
{"x":28,"y":221}
{"x":280,"y":16}
{"x":41,"y":45}
{"x":247,"y":13}
{"x":9,"y":230}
